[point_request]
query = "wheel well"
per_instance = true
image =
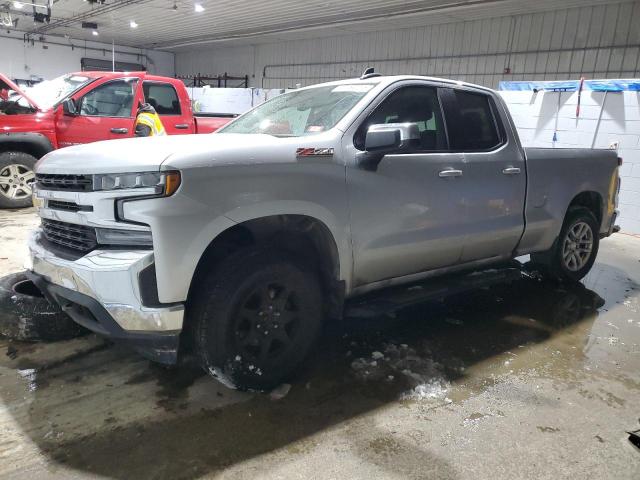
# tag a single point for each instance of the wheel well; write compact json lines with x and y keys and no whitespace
{"x":306,"y":237}
{"x":591,"y":201}
{"x":27,"y":147}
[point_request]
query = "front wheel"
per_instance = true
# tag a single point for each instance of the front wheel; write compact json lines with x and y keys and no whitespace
{"x":574,"y":252}
{"x":16,"y":179}
{"x":256,"y":318}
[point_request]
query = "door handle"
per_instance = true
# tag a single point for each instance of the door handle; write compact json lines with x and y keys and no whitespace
{"x":450,"y":173}
{"x":120,"y":131}
{"x":181,"y":126}
{"x":511,"y":171}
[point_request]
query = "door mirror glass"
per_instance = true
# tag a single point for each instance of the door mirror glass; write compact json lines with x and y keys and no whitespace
{"x":391,"y":137}
{"x":69,"y":107}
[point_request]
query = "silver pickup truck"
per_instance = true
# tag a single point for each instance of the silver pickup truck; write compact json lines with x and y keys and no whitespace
{"x":237,"y":245}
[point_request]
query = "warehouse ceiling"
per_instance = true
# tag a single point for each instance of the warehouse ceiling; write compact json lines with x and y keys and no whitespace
{"x":183,"y":24}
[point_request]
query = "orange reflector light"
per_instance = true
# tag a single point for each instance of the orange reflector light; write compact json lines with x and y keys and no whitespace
{"x":172,"y":183}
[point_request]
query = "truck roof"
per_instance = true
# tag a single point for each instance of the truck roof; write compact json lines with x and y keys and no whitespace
{"x":142,"y":75}
{"x":389,"y":79}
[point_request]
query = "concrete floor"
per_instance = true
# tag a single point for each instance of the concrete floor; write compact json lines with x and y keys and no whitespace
{"x":527,"y":380}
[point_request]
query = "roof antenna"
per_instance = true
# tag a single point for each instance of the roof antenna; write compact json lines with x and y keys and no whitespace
{"x":368,"y":73}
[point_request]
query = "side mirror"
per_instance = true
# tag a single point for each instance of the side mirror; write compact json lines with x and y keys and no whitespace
{"x":387,"y":138}
{"x":69,"y":107}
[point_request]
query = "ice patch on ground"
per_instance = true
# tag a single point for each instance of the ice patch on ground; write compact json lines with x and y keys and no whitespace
{"x":433,"y":389}
{"x":405,"y":365}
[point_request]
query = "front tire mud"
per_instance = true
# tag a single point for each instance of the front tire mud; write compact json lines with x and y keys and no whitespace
{"x":256,"y":318}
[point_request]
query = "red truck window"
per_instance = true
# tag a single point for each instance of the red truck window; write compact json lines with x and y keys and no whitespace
{"x":112,"y":99}
{"x":162,"y":97}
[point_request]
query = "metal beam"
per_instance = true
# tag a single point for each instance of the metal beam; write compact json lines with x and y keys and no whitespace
{"x":92,"y":13}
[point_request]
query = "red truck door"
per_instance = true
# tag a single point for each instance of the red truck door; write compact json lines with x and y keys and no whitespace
{"x":104,"y":111}
{"x":175,"y":112}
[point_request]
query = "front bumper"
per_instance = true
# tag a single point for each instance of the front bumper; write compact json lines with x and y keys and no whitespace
{"x":101,"y":291}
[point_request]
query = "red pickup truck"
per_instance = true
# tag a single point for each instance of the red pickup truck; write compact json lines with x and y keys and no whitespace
{"x":81,"y":108}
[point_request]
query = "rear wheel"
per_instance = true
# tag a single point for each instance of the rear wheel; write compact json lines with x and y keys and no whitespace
{"x":575,"y":250}
{"x":16,"y":179}
{"x":256,"y":318}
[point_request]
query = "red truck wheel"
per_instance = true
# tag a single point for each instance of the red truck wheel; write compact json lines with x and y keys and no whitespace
{"x":16,"y":179}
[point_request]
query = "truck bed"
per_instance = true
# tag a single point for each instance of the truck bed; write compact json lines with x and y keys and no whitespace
{"x":208,"y":123}
{"x":555,"y":177}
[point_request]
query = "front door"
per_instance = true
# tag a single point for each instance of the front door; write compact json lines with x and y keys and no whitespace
{"x":107,"y":111}
{"x":407,"y":215}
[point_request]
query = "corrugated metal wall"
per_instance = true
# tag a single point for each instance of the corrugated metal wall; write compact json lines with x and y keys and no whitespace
{"x":597,"y":42}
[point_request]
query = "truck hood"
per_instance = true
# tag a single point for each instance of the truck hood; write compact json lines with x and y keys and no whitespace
{"x":178,"y":151}
{"x":8,"y":84}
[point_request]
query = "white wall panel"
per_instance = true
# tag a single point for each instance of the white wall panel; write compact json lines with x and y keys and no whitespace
{"x":25,"y":59}
{"x":596,"y":42}
{"x":605,"y":118}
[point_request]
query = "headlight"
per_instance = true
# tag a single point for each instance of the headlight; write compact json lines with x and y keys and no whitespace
{"x":164,"y":183}
{"x":113,"y":236}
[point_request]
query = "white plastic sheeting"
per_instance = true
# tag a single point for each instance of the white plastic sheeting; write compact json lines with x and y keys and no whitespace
{"x":229,"y":100}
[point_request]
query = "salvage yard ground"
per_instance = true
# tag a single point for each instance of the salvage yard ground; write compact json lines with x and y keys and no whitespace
{"x":527,"y":380}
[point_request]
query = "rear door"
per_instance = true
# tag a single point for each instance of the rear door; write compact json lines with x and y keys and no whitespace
{"x":494,"y":178}
{"x":106,"y":111}
{"x":176,"y":117}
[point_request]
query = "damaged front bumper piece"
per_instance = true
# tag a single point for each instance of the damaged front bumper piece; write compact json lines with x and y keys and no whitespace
{"x":104,"y":291}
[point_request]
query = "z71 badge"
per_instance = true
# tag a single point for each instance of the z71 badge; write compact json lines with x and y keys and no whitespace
{"x":314,"y":152}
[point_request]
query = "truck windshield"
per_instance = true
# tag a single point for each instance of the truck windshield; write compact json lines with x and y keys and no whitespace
{"x":50,"y":92}
{"x":302,"y":112}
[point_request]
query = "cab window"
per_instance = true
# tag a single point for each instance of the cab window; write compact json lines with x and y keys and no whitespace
{"x":162,"y":97}
{"x":477,"y":129}
{"x":413,"y":104}
{"x":111,"y":99}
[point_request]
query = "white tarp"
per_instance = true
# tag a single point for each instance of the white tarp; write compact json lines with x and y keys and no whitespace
{"x":229,"y":100}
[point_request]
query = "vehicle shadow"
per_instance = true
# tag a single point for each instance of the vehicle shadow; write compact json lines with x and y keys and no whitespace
{"x":359,"y":366}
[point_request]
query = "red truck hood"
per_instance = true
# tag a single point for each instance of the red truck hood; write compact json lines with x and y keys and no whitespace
{"x":8,"y":84}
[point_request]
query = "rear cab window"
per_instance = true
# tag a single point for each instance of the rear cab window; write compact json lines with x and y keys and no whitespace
{"x":472,"y":122}
{"x":162,"y":97}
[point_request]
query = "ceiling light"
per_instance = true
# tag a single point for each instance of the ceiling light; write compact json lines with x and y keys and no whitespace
{"x":133,"y":24}
{"x":94,"y":33}
{"x":18,"y":5}
{"x":198,"y":7}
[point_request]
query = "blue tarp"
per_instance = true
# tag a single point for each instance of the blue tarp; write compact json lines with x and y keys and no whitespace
{"x":622,"y":85}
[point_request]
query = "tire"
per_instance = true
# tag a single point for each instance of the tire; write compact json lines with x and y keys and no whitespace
{"x":569,"y":259}
{"x":16,"y":179}
{"x":256,"y":318}
{"x":26,"y":315}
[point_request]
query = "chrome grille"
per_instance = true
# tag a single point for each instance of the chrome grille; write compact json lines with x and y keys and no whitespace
{"x":75,"y":237}
{"x":69,"y":183}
